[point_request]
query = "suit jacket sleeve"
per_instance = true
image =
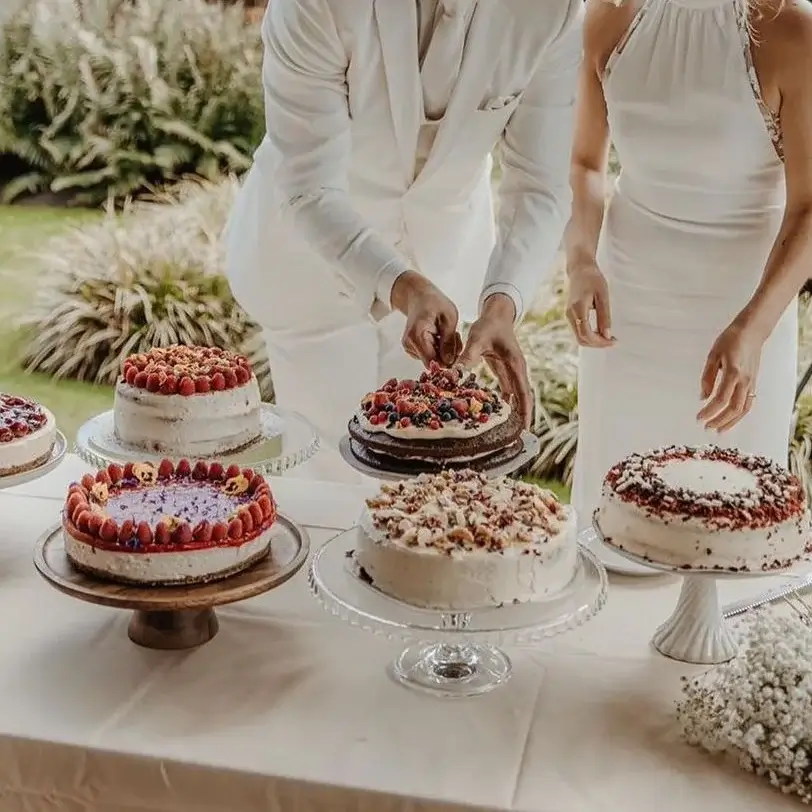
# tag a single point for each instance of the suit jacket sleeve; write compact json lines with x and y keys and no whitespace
{"x":308,"y":122}
{"x":534,"y":192}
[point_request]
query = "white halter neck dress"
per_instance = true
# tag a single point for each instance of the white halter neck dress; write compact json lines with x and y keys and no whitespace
{"x":684,"y":241}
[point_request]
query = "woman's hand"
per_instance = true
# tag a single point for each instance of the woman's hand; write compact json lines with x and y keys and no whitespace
{"x":588,"y":291}
{"x":729,"y":377}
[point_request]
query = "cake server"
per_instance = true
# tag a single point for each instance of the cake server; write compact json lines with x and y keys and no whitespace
{"x":770,"y":596}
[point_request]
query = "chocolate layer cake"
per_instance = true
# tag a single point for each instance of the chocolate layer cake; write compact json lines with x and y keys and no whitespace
{"x":445,"y":419}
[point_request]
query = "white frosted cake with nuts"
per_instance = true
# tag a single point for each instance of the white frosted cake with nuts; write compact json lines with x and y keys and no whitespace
{"x":459,"y":541}
{"x":705,"y":508}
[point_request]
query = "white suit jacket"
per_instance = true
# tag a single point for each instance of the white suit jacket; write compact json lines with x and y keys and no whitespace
{"x":332,"y":207}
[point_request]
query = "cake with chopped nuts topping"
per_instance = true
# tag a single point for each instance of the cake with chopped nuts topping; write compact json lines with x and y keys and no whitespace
{"x":459,"y":541}
{"x":161,"y":525}
{"x":445,"y":419}
{"x":187,"y":401}
{"x":27,"y":434}
{"x":705,"y":508}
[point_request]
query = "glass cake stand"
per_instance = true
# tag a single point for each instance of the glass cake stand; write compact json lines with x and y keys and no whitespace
{"x":529,"y":453}
{"x":288,"y":439}
{"x":452,"y":654}
{"x":57,"y":455}
{"x":697,"y":631}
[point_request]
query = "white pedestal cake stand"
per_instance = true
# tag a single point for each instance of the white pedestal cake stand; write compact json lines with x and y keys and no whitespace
{"x":57,"y":455}
{"x":287,"y":440}
{"x":453,"y":654}
{"x":529,"y":453}
{"x":175,"y":617}
{"x":697,"y":632}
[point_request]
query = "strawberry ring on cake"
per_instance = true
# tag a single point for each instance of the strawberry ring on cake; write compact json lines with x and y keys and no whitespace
{"x":444,"y":419}
{"x":27,"y":435}
{"x":196,"y":401}
{"x":166,"y":525}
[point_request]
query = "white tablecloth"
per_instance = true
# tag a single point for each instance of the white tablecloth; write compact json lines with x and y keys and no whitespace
{"x":289,"y":709}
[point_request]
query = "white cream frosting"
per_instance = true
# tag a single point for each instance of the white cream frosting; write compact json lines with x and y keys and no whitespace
{"x":22,"y":453}
{"x":166,"y":567}
{"x":689,"y":541}
{"x":199,"y":425}
{"x":453,"y":430}
{"x":427,"y":558}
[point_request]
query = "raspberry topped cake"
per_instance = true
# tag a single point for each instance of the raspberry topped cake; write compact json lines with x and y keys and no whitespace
{"x":457,"y":540}
{"x":165,"y":525}
{"x":705,"y":508}
{"x":27,"y":434}
{"x":445,"y":419}
{"x":187,"y":401}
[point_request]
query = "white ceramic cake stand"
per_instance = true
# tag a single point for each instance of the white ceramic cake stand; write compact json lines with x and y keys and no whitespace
{"x":697,"y":631}
{"x":525,"y":457}
{"x":57,"y":454}
{"x":288,"y":439}
{"x":451,"y":654}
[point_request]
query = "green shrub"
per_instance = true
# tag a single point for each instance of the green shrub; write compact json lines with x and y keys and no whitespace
{"x":102,"y":98}
{"x":151,"y":276}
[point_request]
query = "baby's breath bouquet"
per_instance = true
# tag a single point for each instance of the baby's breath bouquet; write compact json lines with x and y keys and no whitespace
{"x":758,"y":708}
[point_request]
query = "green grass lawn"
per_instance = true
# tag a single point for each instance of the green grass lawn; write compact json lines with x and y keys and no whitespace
{"x":23,"y":230}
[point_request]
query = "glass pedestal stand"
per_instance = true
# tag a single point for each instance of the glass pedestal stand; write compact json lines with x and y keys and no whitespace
{"x":451,"y":654}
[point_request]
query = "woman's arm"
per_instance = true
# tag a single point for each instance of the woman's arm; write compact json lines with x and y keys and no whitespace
{"x":789,"y":38}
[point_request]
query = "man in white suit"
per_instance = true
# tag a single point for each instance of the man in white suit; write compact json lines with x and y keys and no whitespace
{"x":367,"y":218}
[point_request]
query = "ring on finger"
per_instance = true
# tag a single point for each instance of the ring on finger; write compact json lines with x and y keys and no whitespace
{"x":751,"y":396}
{"x":579,"y":321}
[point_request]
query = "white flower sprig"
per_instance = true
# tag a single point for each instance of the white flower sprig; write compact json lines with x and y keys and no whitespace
{"x":758,"y":708}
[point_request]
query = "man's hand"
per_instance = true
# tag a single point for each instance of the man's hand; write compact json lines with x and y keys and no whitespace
{"x":493,"y":339}
{"x":431,"y":320}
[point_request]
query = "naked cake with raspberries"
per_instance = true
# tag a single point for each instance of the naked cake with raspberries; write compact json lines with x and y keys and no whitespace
{"x":187,"y":401}
{"x":457,"y":540}
{"x":444,"y":419}
{"x":27,"y":434}
{"x":705,"y":508}
{"x":167,"y":524}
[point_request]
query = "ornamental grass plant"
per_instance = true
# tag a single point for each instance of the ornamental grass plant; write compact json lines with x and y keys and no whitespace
{"x":102,"y":98}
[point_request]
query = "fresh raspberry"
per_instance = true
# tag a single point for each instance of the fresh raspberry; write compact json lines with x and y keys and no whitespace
{"x":202,"y":385}
{"x":186,"y":387}
{"x":125,"y":532}
{"x":184,"y":468}
{"x":230,"y":378}
{"x":483,"y":418}
{"x":405,"y":422}
{"x":153,"y":382}
{"x":182,"y":534}
{"x":141,"y":380}
{"x":243,"y":375}
{"x":435,"y":424}
{"x":94,"y":523}
{"x":163,"y":535}
{"x":200,"y":471}
{"x":219,"y":531}
{"x":459,"y":406}
{"x":380,"y":399}
{"x":218,"y":382}
{"x":88,"y":481}
{"x":203,"y":532}
{"x":109,"y":530}
{"x":232,"y":471}
{"x":235,"y":529}
{"x":131,"y":374}
{"x":143,"y":533}
{"x":116,"y":472}
{"x":103,"y":476}
{"x":165,"y":469}
{"x":216,"y":471}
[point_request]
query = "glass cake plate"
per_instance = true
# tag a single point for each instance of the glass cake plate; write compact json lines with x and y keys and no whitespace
{"x":288,"y":439}
{"x":527,"y":455}
{"x":452,"y":654}
{"x":57,"y":454}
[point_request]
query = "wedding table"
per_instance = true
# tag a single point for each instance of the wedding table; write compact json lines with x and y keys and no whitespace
{"x":289,"y":710}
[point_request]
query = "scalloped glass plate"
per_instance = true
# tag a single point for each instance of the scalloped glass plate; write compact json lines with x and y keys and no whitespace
{"x":57,"y":455}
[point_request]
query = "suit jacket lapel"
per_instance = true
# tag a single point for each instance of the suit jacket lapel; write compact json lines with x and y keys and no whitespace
{"x":397,"y":31}
{"x":478,"y":63}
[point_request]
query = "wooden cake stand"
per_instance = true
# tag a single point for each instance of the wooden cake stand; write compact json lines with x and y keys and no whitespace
{"x":175,"y":617}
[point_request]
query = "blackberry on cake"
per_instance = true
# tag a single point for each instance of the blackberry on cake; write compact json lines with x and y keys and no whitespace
{"x":705,"y":508}
{"x":27,"y":434}
{"x":161,"y":525}
{"x":444,"y":419}
{"x":187,"y":401}
{"x":458,"y":541}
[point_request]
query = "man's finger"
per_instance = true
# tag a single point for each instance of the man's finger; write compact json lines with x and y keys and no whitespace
{"x":471,"y":353}
{"x":419,"y":342}
{"x":516,"y":372}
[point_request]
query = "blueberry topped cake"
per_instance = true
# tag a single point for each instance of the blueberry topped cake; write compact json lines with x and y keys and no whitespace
{"x":27,"y":434}
{"x":444,"y":419}
{"x":166,"y":525}
{"x":187,"y":401}
{"x":705,"y":508}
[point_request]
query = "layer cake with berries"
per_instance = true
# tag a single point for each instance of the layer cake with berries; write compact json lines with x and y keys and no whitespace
{"x":457,"y":540}
{"x":161,"y":525}
{"x":445,"y":419}
{"x":705,"y":508}
{"x":27,"y":435}
{"x":187,"y":401}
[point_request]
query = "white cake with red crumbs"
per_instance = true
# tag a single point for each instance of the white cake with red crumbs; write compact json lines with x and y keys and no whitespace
{"x":187,"y":401}
{"x":27,"y":435}
{"x":459,"y":541}
{"x":705,"y":508}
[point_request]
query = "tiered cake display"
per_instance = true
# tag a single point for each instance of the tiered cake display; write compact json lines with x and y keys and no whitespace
{"x":164,"y":529}
{"x":703,"y":512}
{"x":30,"y":444}
{"x":446,"y":419}
{"x":463,"y":561}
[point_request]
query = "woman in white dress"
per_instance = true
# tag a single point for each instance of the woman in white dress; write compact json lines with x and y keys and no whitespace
{"x":683,"y":287}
